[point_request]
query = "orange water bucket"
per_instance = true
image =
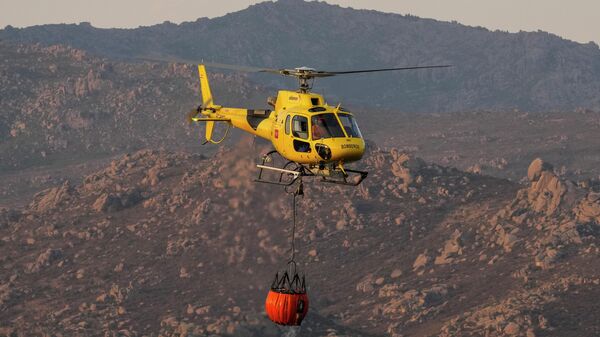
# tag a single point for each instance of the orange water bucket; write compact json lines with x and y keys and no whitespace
{"x":287,"y":301}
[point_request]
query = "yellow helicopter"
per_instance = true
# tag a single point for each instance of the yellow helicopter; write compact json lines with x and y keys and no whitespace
{"x":313,"y":138}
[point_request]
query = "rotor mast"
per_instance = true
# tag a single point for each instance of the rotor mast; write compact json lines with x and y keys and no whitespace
{"x":305,"y":83}
{"x":304,"y":75}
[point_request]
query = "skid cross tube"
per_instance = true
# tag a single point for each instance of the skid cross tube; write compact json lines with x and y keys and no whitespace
{"x":294,"y":173}
{"x":284,"y":172}
{"x":298,"y":171}
{"x":363,"y":176}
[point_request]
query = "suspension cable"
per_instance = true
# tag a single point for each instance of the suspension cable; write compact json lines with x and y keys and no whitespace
{"x":299,"y":191}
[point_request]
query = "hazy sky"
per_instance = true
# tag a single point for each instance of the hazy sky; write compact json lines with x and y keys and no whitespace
{"x":577,"y":20}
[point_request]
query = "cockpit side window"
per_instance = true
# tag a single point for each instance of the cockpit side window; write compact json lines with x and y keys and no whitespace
{"x":326,"y":126}
{"x":350,"y":125}
{"x":287,"y":125}
{"x":300,"y":127}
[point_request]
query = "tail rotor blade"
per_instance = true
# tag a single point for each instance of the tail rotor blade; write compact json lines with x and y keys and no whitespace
{"x":192,"y":114}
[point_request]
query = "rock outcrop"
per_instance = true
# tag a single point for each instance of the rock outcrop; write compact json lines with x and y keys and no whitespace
{"x":170,"y":243}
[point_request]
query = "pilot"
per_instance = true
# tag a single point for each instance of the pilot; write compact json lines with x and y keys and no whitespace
{"x":318,"y":131}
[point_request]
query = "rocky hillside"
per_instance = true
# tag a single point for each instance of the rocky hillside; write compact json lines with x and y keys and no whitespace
{"x":60,"y":104}
{"x":65,"y":113}
{"x":498,"y":144}
{"x":493,"y":70}
{"x":170,"y":244}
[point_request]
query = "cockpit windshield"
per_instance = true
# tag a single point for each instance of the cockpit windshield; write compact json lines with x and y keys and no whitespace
{"x":326,"y":126}
{"x":350,"y":125}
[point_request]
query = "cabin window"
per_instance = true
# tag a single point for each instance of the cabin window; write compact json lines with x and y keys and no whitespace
{"x":300,"y":127}
{"x":301,"y":146}
{"x":350,"y":125}
{"x":287,"y":125}
{"x":326,"y":126}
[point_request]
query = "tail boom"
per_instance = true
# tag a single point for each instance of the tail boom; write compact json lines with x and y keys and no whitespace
{"x":256,"y":122}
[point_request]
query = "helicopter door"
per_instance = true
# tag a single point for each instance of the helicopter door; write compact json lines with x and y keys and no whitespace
{"x":300,"y":134}
{"x":284,"y":138}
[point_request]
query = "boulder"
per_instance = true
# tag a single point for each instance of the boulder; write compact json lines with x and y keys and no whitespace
{"x":588,"y":208}
{"x":366,"y":284}
{"x":546,"y":192}
{"x":52,"y":198}
{"x":547,"y":258}
{"x":406,"y":168}
{"x":452,"y":248}
{"x":512,"y":329}
{"x":421,"y":261}
{"x":108,"y":202}
{"x":44,"y":260}
{"x":536,"y":168}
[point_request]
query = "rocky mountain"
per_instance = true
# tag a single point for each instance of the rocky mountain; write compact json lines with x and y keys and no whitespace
{"x":161,"y":243}
{"x":60,"y":104}
{"x":493,"y":70}
{"x":499,"y":144}
{"x":115,"y":222}
{"x":65,"y":113}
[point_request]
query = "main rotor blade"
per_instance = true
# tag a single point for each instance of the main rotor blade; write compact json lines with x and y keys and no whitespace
{"x":246,"y":69}
{"x":334,"y":73}
{"x":295,"y":72}
{"x":311,"y":72}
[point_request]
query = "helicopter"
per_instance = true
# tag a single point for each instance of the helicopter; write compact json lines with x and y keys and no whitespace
{"x":311,"y":137}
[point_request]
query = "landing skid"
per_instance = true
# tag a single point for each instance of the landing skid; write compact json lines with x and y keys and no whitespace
{"x":287,"y":174}
{"x":273,"y":172}
{"x":348,"y":178}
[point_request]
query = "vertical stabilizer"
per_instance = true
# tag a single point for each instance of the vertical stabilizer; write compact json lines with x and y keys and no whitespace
{"x":210,"y":126}
{"x":207,"y":99}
